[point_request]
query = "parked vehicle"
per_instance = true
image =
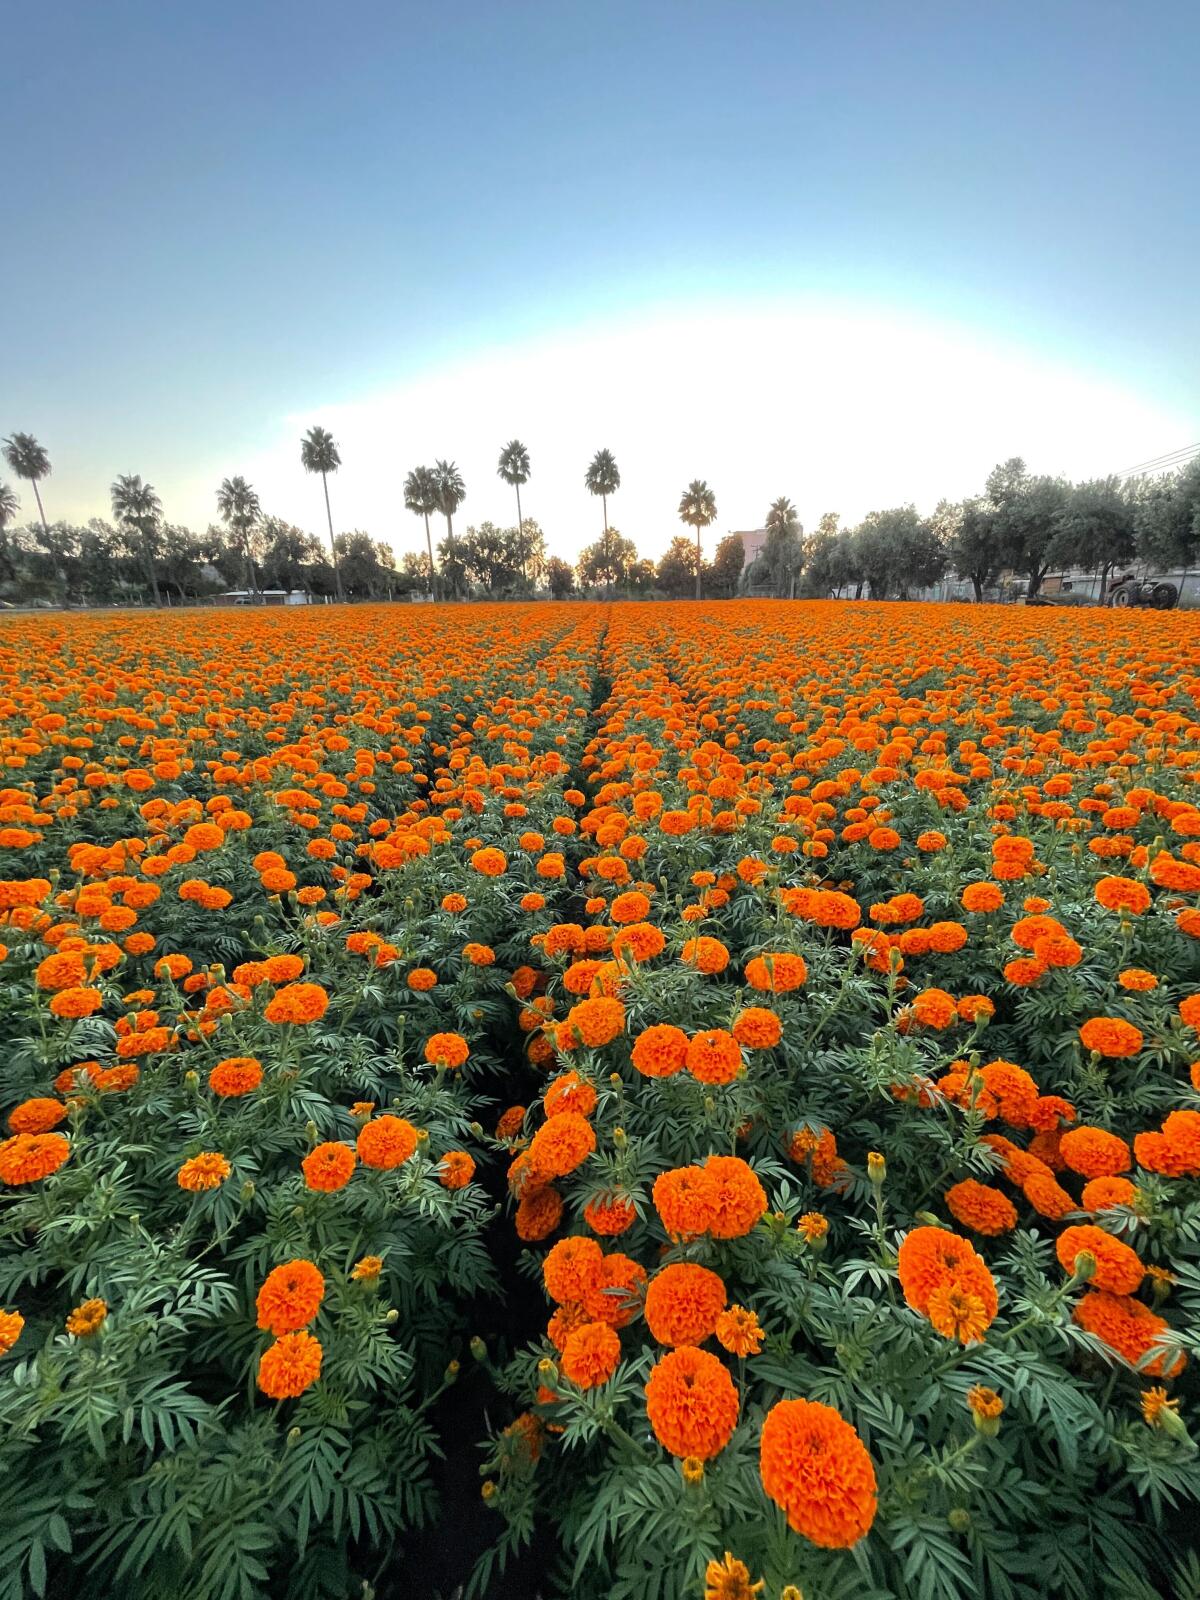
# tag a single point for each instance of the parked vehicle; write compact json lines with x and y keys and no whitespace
{"x":1133,"y":591}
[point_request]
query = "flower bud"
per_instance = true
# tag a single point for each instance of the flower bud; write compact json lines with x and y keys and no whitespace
{"x":619,"y":1138}
{"x":451,"y":1372}
{"x":489,"y":1489}
{"x":478,"y":1349}
{"x":310,"y":1130}
{"x":959,"y":1519}
{"x":876,"y":1168}
{"x":1085,"y":1266}
{"x":693,"y":1471}
{"x":191,"y":1081}
{"x":293,"y":1437}
{"x":547,"y":1371}
{"x":391,"y":1317}
{"x":248,"y":1190}
{"x":422,"y":1135}
{"x":791,"y":1591}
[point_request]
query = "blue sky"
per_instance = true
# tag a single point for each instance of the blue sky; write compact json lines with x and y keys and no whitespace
{"x":233,"y":218}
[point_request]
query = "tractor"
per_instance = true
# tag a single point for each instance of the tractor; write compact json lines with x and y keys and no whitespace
{"x":1129,"y":590}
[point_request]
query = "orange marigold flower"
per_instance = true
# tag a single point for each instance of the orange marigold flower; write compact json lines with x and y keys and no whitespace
{"x":982,"y":897}
{"x":569,"y":1092}
{"x":208,"y":1170}
{"x":981,"y":1208}
{"x":705,"y":954}
{"x":934,"y":1008}
{"x":616,"y":1295}
{"x":956,"y":1311}
{"x":730,"y":1580}
{"x":1094,"y":1152}
{"x":631,"y":906}
{"x":683,"y":1302}
{"x":11,"y":1324}
{"x":421,"y":979}
{"x":713,"y":1056}
{"x":456,"y":1169}
{"x":660,"y":1051}
{"x":691,"y":1403}
{"x":1118,"y":1269}
{"x":593,"y":1022}
{"x":1128,"y":1327}
{"x":290,"y":1296}
{"x":639,"y":941}
{"x":87,"y":1319}
{"x":776,"y":972}
{"x":446,"y":1050}
{"x":30,"y":1157}
{"x":235,"y":1076}
{"x":738,"y":1198}
{"x":1123,"y":894}
{"x":328,"y":1167}
{"x":290,"y":1366}
{"x":76,"y":1002}
{"x":609,"y":1217}
{"x":571,"y":1268}
{"x":561,"y":1144}
{"x":684,"y":1199}
{"x":490,"y":862}
{"x":386,"y":1142}
{"x":37,"y":1116}
{"x":815,"y":1467}
{"x":1046,"y":1195}
{"x":738,"y":1331}
{"x":299,"y":1003}
{"x":757,"y":1028}
{"x":367,"y":1269}
{"x":590,"y":1355}
{"x":538,"y":1214}
{"x":1111,"y":1036}
{"x":1101,"y":1193}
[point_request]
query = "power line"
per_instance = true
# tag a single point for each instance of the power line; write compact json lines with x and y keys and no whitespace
{"x":1164,"y":463}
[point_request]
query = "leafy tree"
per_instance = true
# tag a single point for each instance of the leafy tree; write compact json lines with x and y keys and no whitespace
{"x":560,"y":577}
{"x":1167,"y":517}
{"x":608,"y":561}
{"x":29,"y":460}
{"x":898,"y":551}
{"x":138,"y":511}
{"x":603,"y":477}
{"x":368,"y":567}
{"x":529,"y":545}
{"x":1096,"y":529}
{"x":490,"y":556}
{"x":676,"y":571}
{"x":421,"y":498}
{"x":698,"y":508}
{"x":414,"y":565}
{"x":514,"y":469}
{"x":722,"y":577}
{"x":1029,"y":513}
{"x":291,"y":557}
{"x":318,"y":453}
{"x":9,"y":506}
{"x":781,"y":558}
{"x":971,"y":533}
{"x":239,"y":506}
{"x":450,"y":492}
{"x":641,"y":577}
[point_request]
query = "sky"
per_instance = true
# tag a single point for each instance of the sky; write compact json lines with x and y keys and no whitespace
{"x":850,"y":253}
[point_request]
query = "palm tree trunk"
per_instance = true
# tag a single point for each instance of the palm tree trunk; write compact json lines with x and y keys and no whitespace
{"x":429,"y":546}
{"x":337,"y":571}
{"x":604,"y":504}
{"x":697,"y":561}
{"x":450,"y":554}
{"x":520,"y":528}
{"x":150,"y":572}
{"x":38,"y":498}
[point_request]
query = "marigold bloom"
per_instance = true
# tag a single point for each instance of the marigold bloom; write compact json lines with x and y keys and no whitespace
{"x":208,"y":1170}
{"x":685,"y":1199}
{"x":738,"y":1331}
{"x":691,"y":1403}
{"x":298,"y":1003}
{"x":590,"y":1355}
{"x":76,"y":1002}
{"x":1122,"y":894}
{"x":593,"y":1022}
{"x":386,"y":1142}
{"x":738,"y":1198}
{"x":538,"y":1214}
{"x":328,"y":1167}
{"x":683,"y":1302}
{"x":729,"y":1580}
{"x":421,"y":979}
{"x":11,"y":1324}
{"x":713,"y":1056}
{"x":490,"y":862}
{"x":757,"y":1028}
{"x":934,"y":1008}
{"x":367,"y":1269}
{"x":776,"y":972}
{"x":290,"y":1366}
{"x":706,"y":955}
{"x":87,"y":1319}
{"x":981,"y":1208}
{"x":815,"y":1467}
{"x":1102,"y":1193}
{"x":446,"y":1050}
{"x":1128,"y":1327}
{"x":616,"y":1295}
{"x":37,"y":1116}
{"x":660,"y":1051}
{"x":610,"y":1217}
{"x":456,"y":1169}
{"x":571,"y":1269}
{"x":290,"y":1296}
{"x":30,"y":1157}
{"x":1094,"y":1152}
{"x":1118,"y":1268}
{"x":1111,"y":1036}
{"x":235,"y":1076}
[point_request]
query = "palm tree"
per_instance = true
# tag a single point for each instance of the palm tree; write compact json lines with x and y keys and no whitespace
{"x":137,"y":508}
{"x":240,"y":510}
{"x":28,"y":459}
{"x":318,"y":453}
{"x":782,"y":516}
{"x":450,"y":492}
{"x":603,"y":477}
{"x":698,"y":507}
{"x":514,"y":469}
{"x":9,"y":505}
{"x":421,"y":498}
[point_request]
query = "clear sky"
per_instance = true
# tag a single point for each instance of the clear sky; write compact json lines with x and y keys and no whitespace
{"x":851,"y":252}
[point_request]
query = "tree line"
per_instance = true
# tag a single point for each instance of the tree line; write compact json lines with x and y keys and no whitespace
{"x":1023,"y":524}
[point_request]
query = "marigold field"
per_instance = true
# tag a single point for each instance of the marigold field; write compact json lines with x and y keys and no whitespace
{"x":751,"y":1049}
